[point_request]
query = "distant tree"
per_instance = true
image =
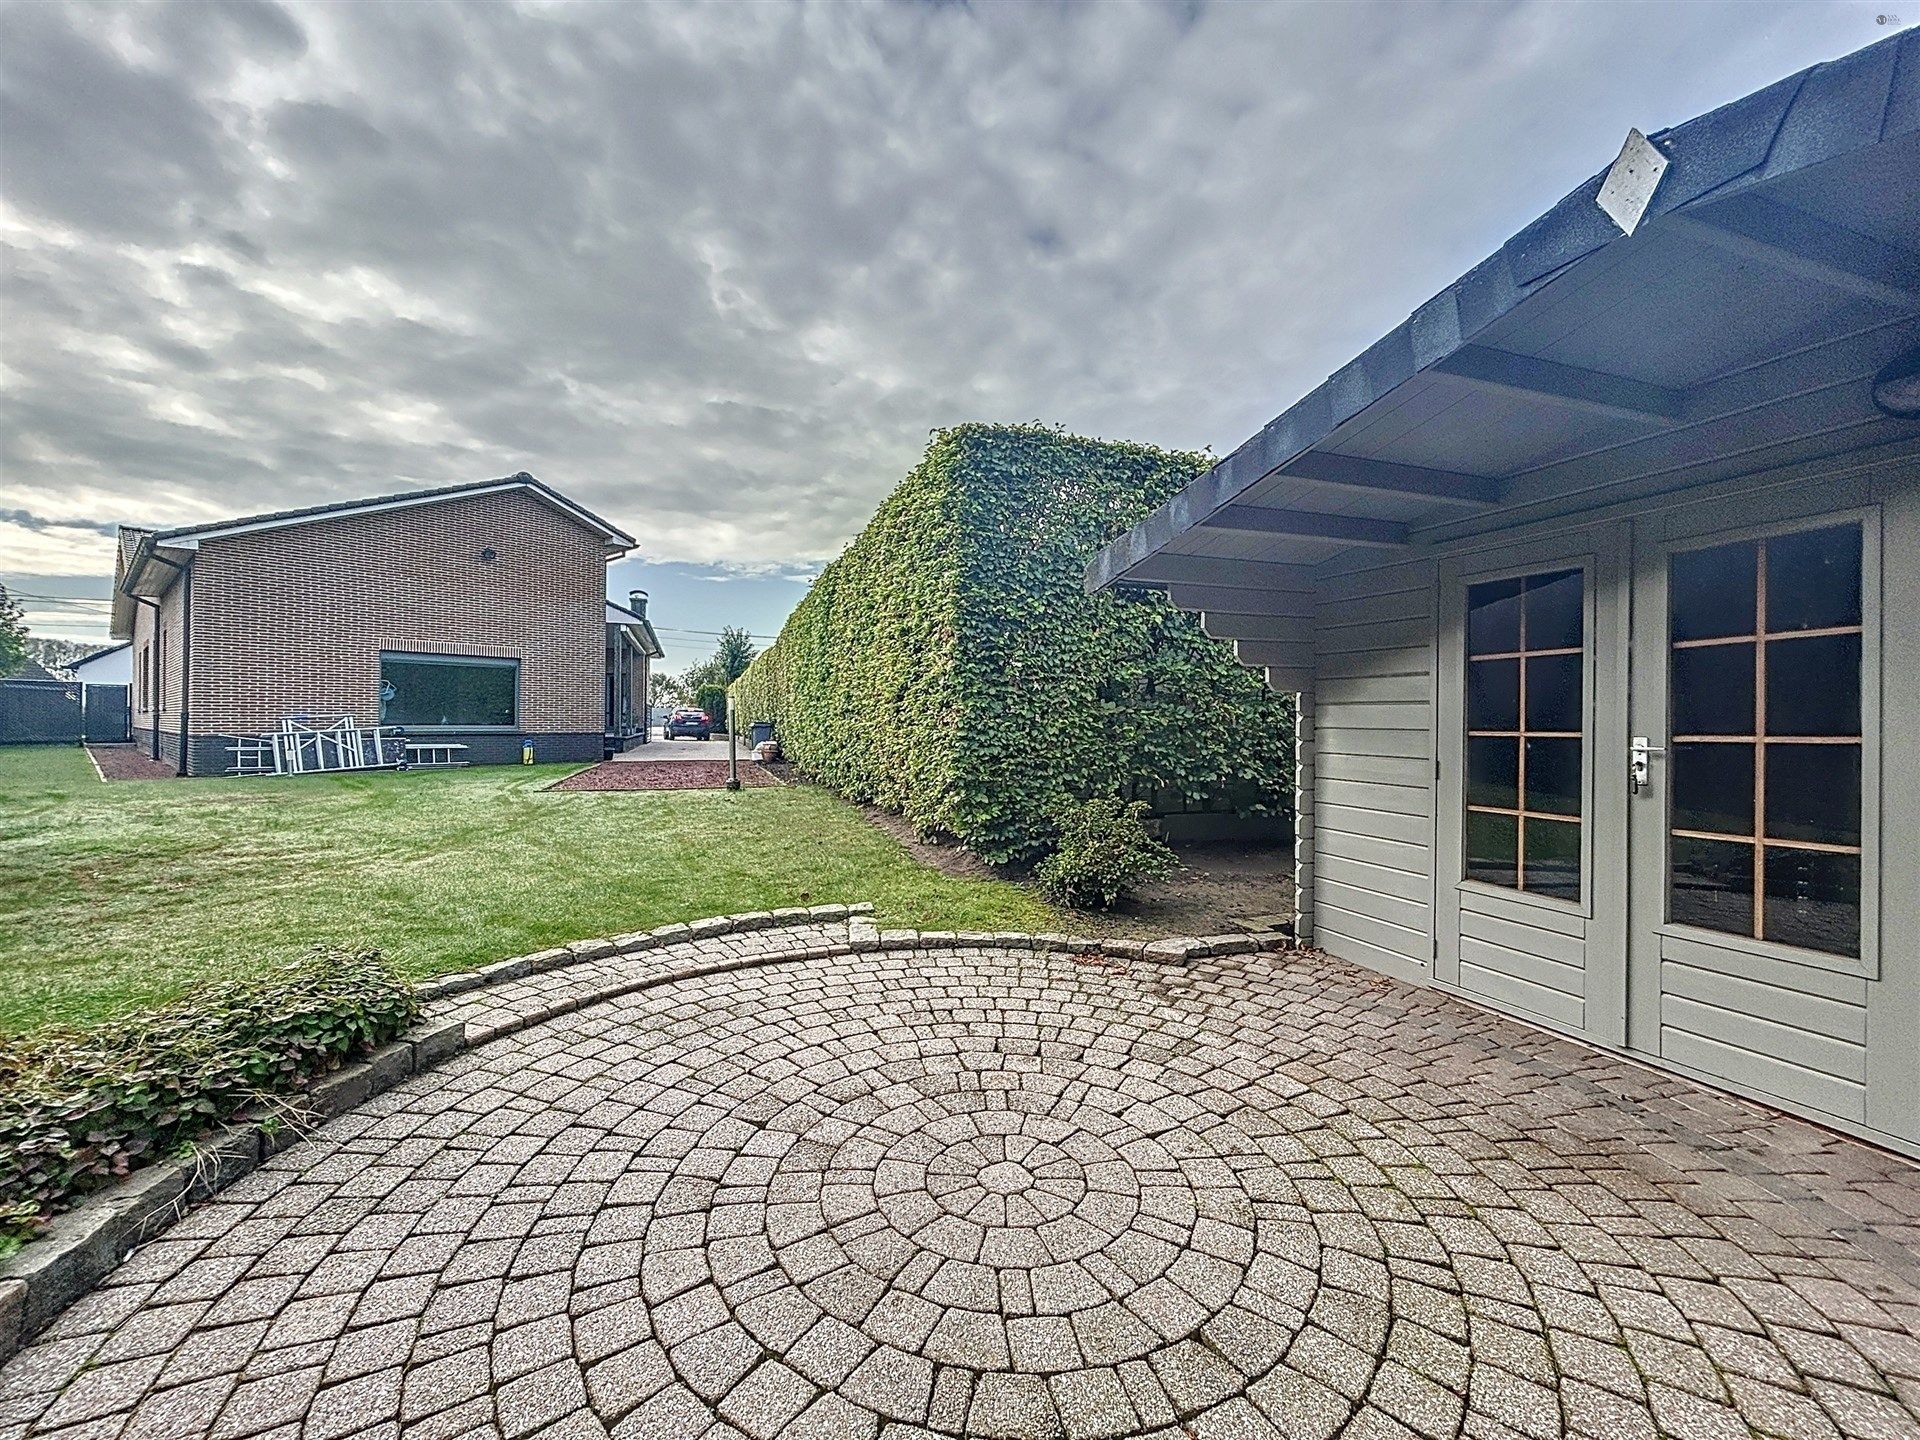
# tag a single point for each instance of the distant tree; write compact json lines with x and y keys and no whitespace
{"x":733,"y":654}
{"x":666,"y":690}
{"x":727,"y":664}
{"x":13,"y":633}
{"x":60,"y":655}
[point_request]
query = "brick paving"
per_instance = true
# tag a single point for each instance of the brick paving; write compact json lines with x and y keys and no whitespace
{"x":975,"y":1190}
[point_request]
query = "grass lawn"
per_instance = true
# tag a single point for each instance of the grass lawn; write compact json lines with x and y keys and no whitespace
{"x":115,"y":896}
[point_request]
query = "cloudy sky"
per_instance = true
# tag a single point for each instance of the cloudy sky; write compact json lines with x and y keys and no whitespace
{"x":716,"y":270}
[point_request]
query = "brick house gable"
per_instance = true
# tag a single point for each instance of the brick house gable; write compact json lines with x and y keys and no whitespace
{"x":290,"y":618}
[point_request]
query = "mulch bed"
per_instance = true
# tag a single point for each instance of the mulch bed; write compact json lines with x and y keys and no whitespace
{"x":129,"y":762}
{"x":661,"y":775}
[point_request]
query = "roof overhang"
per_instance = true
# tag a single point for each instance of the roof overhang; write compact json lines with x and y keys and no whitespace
{"x":636,"y":625}
{"x":1771,"y":276}
{"x":142,"y":570}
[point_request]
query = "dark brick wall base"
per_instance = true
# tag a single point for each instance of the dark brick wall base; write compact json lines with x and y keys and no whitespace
{"x":547,"y":749}
{"x":169,"y":745}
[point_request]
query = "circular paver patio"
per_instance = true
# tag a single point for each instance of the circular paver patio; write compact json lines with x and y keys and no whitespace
{"x":1009,"y":1193}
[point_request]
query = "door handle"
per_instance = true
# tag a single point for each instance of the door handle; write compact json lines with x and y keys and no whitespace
{"x":1640,"y":762}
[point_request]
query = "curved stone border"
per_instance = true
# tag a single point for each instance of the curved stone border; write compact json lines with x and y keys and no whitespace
{"x":80,"y":1246}
{"x":640,"y":941}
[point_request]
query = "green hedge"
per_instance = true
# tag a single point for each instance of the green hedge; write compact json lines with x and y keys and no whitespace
{"x":713,"y":700}
{"x":79,"y":1108}
{"x":949,"y":667}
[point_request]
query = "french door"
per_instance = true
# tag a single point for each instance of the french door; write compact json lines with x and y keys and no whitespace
{"x":1531,"y":906}
{"x":1753,"y":778}
{"x":1659,"y":804}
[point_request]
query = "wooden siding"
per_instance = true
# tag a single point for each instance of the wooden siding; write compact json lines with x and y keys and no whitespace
{"x":1534,"y":959}
{"x":1788,"y":1030}
{"x":1836,"y":1038}
{"x":1373,"y":767}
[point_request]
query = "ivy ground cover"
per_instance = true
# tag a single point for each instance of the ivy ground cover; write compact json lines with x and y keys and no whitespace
{"x":120,"y":896}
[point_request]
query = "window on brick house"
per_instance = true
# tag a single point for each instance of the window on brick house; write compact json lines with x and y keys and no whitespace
{"x":465,"y":692}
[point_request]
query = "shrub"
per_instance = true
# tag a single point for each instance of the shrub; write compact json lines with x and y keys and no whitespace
{"x":79,"y":1108}
{"x":757,"y":695}
{"x":713,"y":700}
{"x":948,"y":666}
{"x":1104,"y":850}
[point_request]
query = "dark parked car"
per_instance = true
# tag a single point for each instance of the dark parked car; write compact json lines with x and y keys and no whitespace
{"x":684,"y":722}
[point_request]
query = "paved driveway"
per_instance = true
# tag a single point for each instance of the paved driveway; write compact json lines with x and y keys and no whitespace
{"x":999,"y":1193}
{"x":662,"y":749}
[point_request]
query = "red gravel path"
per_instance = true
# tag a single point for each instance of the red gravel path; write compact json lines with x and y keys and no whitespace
{"x":129,"y":762}
{"x":661,"y":775}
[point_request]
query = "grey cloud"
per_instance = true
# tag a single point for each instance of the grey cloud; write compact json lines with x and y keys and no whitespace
{"x":117,"y":149}
{"x":719,"y":269}
{"x":27,"y":520}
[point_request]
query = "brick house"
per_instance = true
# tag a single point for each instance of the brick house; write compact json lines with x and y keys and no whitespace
{"x":473,"y":613}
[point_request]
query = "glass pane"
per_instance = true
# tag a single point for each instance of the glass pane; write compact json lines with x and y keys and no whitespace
{"x":1714,"y":592}
{"x":1553,"y":776}
{"x":1813,"y":900}
{"x":1813,"y":579}
{"x":1813,"y":686}
{"x":1493,"y":772}
{"x":1711,"y":885}
{"x":1493,"y":617}
{"x":1493,"y":694}
{"x":1713,"y":788}
{"x":1713,"y":690}
{"x":439,"y":692}
{"x":1553,"y":858}
{"x":1492,"y":849}
{"x":1555,"y":616}
{"x":1554,"y":685}
{"x":1813,"y":793}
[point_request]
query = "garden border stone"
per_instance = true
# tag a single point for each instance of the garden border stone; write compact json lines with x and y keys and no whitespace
{"x":81,"y":1246}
